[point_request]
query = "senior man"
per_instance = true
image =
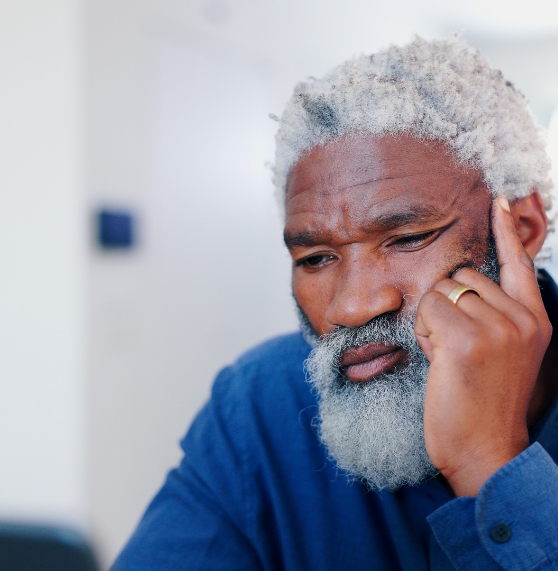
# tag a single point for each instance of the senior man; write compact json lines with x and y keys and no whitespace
{"x":411,"y":425}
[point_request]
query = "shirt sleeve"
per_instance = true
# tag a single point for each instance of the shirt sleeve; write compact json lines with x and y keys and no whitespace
{"x":197,"y":520}
{"x":511,"y":525}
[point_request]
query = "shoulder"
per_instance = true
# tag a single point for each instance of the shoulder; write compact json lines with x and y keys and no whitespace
{"x":271,"y":366}
{"x":268,"y":376}
{"x":283,"y":352}
{"x":253,"y":400}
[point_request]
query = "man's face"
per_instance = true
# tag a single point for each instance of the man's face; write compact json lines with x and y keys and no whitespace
{"x":372,"y":224}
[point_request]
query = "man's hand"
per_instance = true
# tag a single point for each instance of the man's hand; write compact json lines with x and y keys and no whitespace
{"x":485,"y":356}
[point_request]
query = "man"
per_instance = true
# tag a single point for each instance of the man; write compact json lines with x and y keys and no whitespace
{"x":426,"y":435}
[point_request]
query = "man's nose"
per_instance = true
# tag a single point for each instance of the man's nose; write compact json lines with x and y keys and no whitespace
{"x":361,"y":294}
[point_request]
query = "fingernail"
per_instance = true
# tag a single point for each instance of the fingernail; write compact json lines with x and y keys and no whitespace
{"x":503,"y":203}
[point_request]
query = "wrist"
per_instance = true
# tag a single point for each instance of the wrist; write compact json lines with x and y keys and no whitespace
{"x":471,"y":476}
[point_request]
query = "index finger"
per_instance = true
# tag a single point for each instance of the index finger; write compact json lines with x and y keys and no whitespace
{"x":517,"y":273}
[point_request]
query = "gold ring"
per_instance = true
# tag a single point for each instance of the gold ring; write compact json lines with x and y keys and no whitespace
{"x":456,"y":293}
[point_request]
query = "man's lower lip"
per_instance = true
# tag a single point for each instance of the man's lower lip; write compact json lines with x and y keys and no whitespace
{"x":365,"y":371}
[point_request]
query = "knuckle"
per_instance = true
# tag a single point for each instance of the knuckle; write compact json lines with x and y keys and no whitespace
{"x":501,"y":335}
{"x":527,"y":261}
{"x":528,"y":326}
{"x":500,"y":332}
{"x":465,"y":273}
{"x":546,"y":330}
{"x":522,"y":265}
{"x":429,"y":299}
{"x":445,"y":286}
{"x":471,"y":341}
{"x":468,"y":348}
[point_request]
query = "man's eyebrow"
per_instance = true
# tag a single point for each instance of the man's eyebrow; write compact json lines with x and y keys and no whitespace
{"x":382,"y":222}
{"x":397,"y":219}
{"x":304,"y":239}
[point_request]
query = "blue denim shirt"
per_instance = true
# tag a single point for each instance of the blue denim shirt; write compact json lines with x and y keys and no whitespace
{"x":256,"y":491}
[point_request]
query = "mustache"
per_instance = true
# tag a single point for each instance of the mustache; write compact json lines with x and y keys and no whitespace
{"x":388,"y":328}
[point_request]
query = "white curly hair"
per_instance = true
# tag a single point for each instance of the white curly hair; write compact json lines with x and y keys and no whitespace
{"x":436,"y":90}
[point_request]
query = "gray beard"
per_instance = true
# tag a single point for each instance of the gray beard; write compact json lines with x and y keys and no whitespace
{"x":375,"y":430}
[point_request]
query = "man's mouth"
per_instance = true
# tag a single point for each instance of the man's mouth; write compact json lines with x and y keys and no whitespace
{"x":368,"y":361}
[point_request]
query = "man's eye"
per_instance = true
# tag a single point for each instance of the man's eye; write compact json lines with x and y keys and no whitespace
{"x":414,"y":240}
{"x":313,"y":261}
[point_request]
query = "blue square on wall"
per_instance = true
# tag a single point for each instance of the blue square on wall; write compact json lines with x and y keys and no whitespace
{"x":115,"y":229}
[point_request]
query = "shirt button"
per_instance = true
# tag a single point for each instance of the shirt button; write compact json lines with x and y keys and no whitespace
{"x":500,"y":533}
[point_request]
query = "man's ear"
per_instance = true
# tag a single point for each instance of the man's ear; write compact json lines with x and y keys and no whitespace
{"x":530,"y":222}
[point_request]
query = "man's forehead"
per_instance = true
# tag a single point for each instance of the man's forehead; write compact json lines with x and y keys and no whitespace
{"x":357,"y":160}
{"x":365,"y":186}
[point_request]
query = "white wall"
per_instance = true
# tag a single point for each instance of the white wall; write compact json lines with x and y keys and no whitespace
{"x":42,"y":261}
{"x":209,"y":278}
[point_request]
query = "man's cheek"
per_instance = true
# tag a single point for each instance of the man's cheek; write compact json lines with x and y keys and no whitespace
{"x":312,"y":296}
{"x":421,"y":275}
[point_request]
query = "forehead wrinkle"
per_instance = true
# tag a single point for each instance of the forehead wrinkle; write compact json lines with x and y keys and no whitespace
{"x":390,"y":169}
{"x":330,"y":184}
{"x":380,"y":222}
{"x":385,"y":213}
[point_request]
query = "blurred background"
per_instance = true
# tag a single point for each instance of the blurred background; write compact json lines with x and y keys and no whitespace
{"x":155,"y":112}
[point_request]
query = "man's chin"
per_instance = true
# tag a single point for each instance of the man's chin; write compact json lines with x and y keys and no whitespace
{"x":371,"y":383}
{"x":373,"y":429}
